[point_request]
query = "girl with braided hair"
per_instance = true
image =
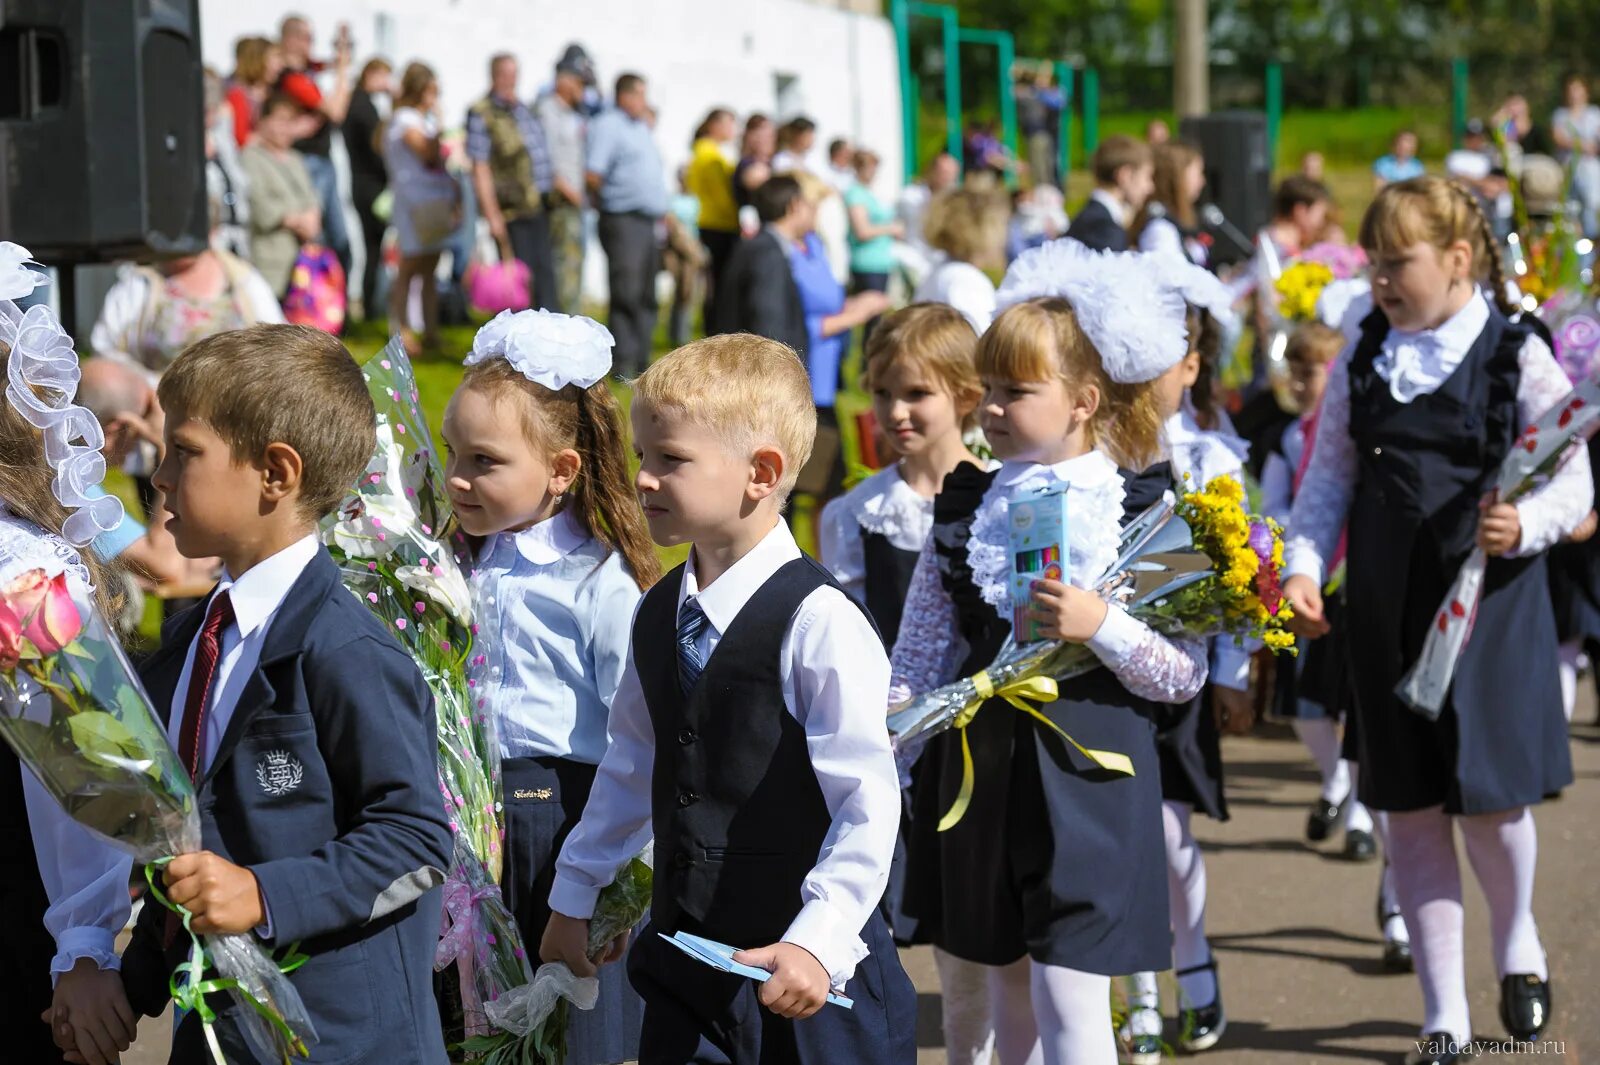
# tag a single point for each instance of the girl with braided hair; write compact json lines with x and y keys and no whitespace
{"x":1419,"y":411}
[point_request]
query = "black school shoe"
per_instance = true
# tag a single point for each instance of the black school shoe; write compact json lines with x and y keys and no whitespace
{"x":1359,"y":846}
{"x":1524,"y":1005}
{"x":1396,"y":952}
{"x":1438,"y":1048}
{"x":1200,"y":1029}
{"x":1324,"y":815}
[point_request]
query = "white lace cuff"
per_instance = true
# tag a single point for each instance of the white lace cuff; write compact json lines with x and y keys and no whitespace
{"x":1148,"y":664}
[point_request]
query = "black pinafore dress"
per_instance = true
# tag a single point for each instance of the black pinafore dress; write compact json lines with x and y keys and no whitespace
{"x":1501,"y":741}
{"x":1054,"y":859}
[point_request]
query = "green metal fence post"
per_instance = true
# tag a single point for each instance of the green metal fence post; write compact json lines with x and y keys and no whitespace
{"x":1091,"y":110}
{"x":1458,"y":99}
{"x":1274,"y":110}
{"x":900,"y":17}
{"x":1064,"y":77}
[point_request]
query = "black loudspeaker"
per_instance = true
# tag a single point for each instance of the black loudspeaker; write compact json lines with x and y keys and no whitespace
{"x":102,"y":132}
{"x":1238,"y":171}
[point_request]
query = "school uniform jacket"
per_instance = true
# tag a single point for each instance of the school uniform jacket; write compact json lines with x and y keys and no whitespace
{"x":325,"y":786}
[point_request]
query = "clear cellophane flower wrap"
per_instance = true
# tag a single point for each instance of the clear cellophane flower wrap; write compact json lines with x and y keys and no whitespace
{"x":533,"y":1022}
{"x":73,"y":709}
{"x":1534,"y":459}
{"x":395,"y":552}
{"x":1198,"y":567}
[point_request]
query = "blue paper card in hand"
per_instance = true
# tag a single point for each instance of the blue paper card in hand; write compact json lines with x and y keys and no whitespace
{"x":720,"y":957}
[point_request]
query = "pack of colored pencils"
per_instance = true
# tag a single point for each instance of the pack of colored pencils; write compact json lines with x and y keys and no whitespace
{"x":1038,"y":551}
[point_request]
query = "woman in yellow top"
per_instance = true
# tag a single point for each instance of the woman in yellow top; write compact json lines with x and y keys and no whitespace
{"x":710,"y":180}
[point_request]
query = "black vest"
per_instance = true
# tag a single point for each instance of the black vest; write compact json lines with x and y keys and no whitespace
{"x":739,"y":816}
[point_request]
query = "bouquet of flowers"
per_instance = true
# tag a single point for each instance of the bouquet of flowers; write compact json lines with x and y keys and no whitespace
{"x":389,"y":538}
{"x":533,"y":1026}
{"x":1300,"y":285}
{"x":1541,"y":449}
{"x":1202,"y":566}
{"x":72,"y":708}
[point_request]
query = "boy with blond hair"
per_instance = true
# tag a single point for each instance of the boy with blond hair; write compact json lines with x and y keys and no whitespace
{"x":308,"y":731}
{"x":748,"y":735}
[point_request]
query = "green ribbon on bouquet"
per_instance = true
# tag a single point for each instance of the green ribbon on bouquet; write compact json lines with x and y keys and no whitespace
{"x":189,"y":985}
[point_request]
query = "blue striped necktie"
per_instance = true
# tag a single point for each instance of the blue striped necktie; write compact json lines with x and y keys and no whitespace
{"x":692,"y":622}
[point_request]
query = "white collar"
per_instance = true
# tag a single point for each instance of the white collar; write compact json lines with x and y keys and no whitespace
{"x":1086,"y":471}
{"x":551,"y":540}
{"x":1202,"y":453}
{"x":1457,"y":334}
{"x":261,"y":589}
{"x":730,"y":592}
{"x":1118,"y":209}
{"x":885,"y":504}
{"x":1417,"y":363}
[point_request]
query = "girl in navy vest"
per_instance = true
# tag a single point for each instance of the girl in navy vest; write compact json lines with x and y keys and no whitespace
{"x":1055,"y":875}
{"x":1188,"y":740}
{"x":1415,"y":422}
{"x":537,"y":468}
{"x":925,"y":392}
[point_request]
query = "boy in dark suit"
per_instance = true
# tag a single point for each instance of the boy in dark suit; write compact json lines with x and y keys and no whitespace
{"x":1124,"y":177}
{"x":308,"y":731}
{"x":753,"y":743}
{"x":756,"y":292}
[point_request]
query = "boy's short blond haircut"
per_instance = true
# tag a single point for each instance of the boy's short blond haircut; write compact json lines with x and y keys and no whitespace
{"x":286,"y":384}
{"x":1116,"y":152}
{"x":750,"y":391}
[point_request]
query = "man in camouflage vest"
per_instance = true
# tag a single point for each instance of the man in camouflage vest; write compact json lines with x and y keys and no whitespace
{"x":512,"y":178}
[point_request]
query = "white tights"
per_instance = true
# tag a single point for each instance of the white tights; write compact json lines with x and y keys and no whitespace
{"x":1051,"y":1015}
{"x":964,"y":993}
{"x":1503,"y":850}
{"x":1322,"y":738}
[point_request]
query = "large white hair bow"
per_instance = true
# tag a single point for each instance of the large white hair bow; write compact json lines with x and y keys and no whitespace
{"x":17,"y":279}
{"x":554,"y":350}
{"x":41,"y":383}
{"x":1134,"y":322}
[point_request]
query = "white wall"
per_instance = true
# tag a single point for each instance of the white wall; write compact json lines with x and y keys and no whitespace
{"x":696,"y":54}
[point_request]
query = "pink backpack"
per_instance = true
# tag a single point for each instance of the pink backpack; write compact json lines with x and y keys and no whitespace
{"x":316,"y":295}
{"x":493,"y":287}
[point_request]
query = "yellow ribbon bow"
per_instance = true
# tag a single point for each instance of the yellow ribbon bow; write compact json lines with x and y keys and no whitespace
{"x":1021,"y":693}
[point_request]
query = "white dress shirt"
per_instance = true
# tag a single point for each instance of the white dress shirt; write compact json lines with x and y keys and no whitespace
{"x":1416,"y":364}
{"x":256,"y":597}
{"x":563,"y":601}
{"x":835,"y":677}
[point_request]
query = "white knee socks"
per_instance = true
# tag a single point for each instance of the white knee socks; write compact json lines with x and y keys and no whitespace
{"x":1186,"y":892}
{"x":1074,"y":1014}
{"x":1321,"y":737}
{"x":1427,"y":881}
{"x":1016,"y":1033}
{"x":1571,"y":653}
{"x":1393,"y":922}
{"x":1142,"y":991}
{"x":1503,"y":849}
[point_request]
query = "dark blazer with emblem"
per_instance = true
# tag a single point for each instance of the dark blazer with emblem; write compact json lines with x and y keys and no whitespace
{"x":326,"y":787}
